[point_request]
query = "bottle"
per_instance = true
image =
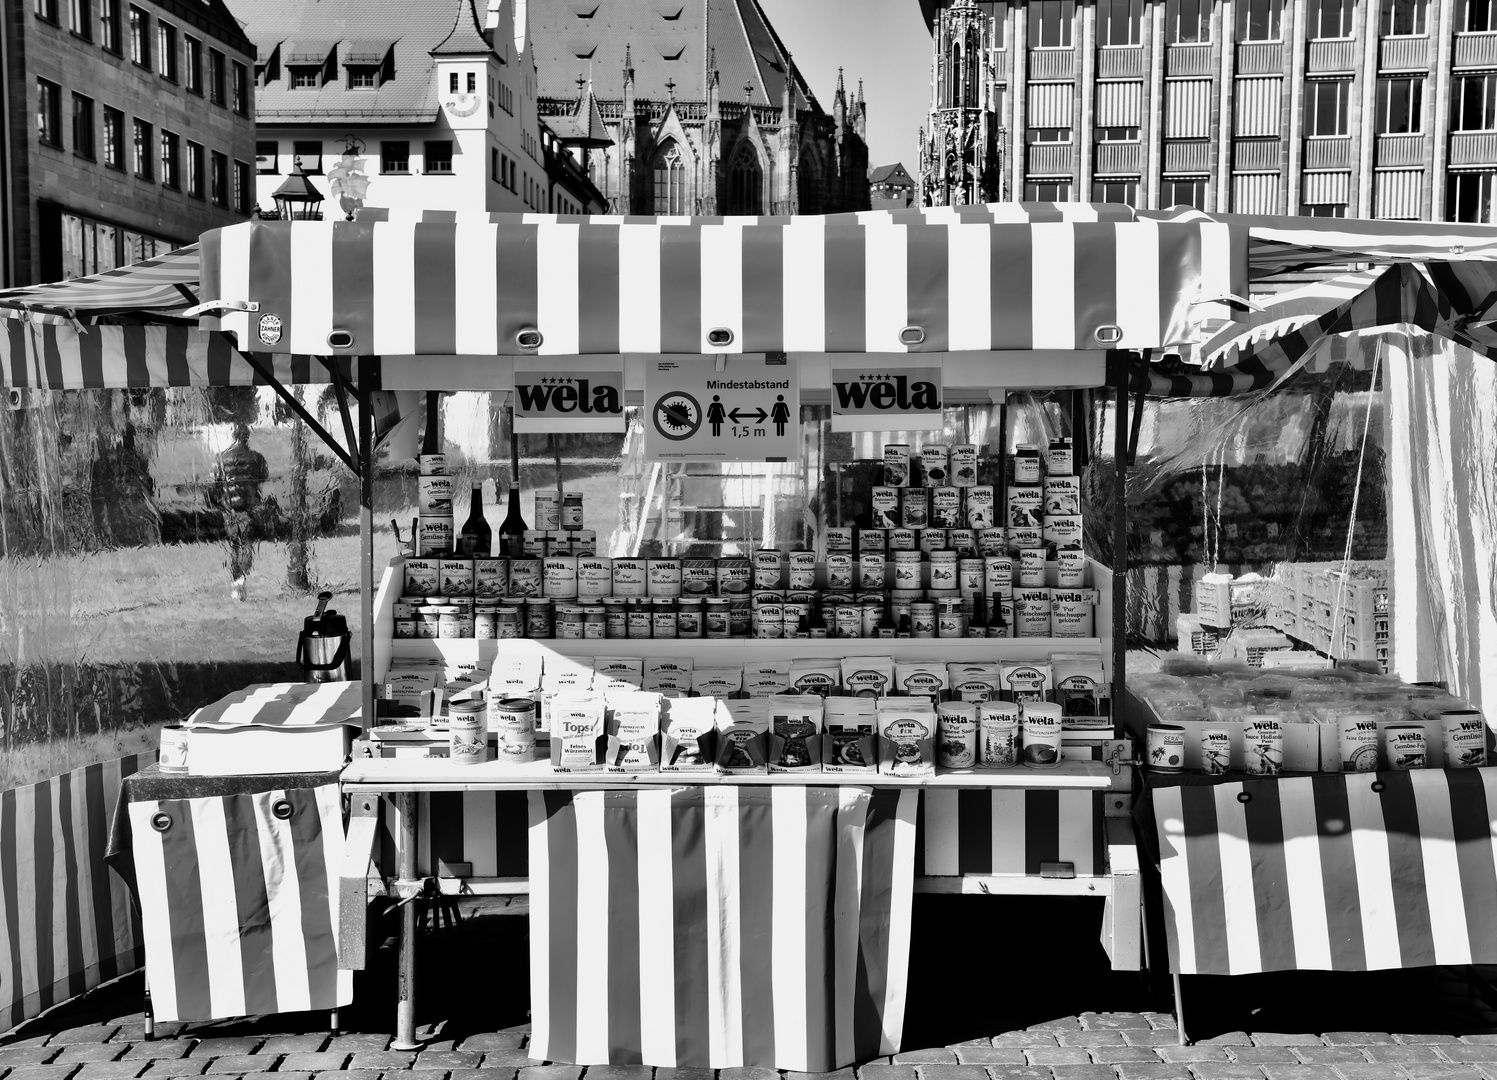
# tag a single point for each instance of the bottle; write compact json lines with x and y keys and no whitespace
{"x":512,"y":530}
{"x":433,"y":461}
{"x":886,"y":627}
{"x":476,"y":539}
{"x":906,"y":627}
{"x":997,"y":627}
{"x":977,"y":625}
{"x":817,"y":628}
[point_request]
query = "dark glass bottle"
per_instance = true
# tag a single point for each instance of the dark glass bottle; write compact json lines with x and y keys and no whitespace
{"x":997,"y":626}
{"x":512,"y":530}
{"x":906,"y":626}
{"x":886,"y":626}
{"x":818,"y":622}
{"x":477,"y":538}
{"x":977,"y":624}
{"x":433,"y":461}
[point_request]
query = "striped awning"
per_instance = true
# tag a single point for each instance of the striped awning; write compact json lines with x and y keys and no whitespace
{"x":470,"y":284}
{"x":168,"y":283}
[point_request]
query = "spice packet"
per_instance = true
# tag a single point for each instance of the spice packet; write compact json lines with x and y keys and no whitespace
{"x":906,"y":730}
{"x":717,"y":682}
{"x":576,"y":731}
{"x":617,"y":673}
{"x":849,"y":740}
{"x":1081,"y":691}
{"x":668,"y":675}
{"x":972,"y":682}
{"x":867,"y":676}
{"x":766,"y":678}
{"x":688,"y":734}
{"x":633,"y":727}
{"x":1025,"y":680}
{"x":820,"y":677}
{"x":921,"y":678}
{"x":742,"y":736}
{"x":795,"y":722}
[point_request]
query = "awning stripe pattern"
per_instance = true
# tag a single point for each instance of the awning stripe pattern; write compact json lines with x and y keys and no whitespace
{"x":980,"y":213}
{"x":833,"y":285}
{"x":152,"y":285}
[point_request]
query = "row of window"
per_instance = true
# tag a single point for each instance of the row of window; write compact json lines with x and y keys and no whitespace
{"x":178,"y":163}
{"x":90,"y":246}
{"x":394,"y":157}
{"x":224,"y":82}
{"x":1120,"y":22}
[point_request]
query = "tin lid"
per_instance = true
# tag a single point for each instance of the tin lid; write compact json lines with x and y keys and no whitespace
{"x":615,"y":601}
{"x":663,"y":601}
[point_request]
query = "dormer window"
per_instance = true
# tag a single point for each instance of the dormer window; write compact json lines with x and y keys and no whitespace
{"x":310,"y":65}
{"x":305,"y":77}
{"x":363,"y":78}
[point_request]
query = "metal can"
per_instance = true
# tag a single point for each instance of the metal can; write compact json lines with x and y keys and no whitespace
{"x":616,"y":616}
{"x":594,"y":577}
{"x":698,"y":577}
{"x":1032,"y":608}
{"x":450,"y":621}
{"x":992,"y":541}
{"x":434,"y":535}
{"x":583,"y":541}
{"x":429,"y":622}
{"x":558,"y":542}
{"x":849,"y":620}
{"x":513,"y":722}
{"x":571,"y":509}
{"x":935,"y":458}
{"x":1404,"y":745}
{"x":923,"y":619}
{"x":769,"y":620}
{"x":933,"y":539}
{"x":525,"y":577}
{"x":690,"y":617}
{"x":871,"y":570}
{"x":483,"y":622}
{"x":547,"y":510}
{"x":914,"y":507}
{"x":998,"y":574}
{"x":559,"y":577}
{"x":962,"y":541}
{"x":432,"y":464}
{"x":943,"y":566}
{"x":663,"y":577}
{"x":970,"y":580}
{"x":468,"y":732}
{"x":839,"y":571}
{"x":1062,"y":494}
{"x":873,"y":611}
{"x":734,"y":577}
{"x":1032,"y":568}
{"x":490,"y":578}
{"x":802,"y":569}
{"x":507,"y":623}
{"x":421,"y":577}
{"x":738,"y":616}
{"x":1026,"y":461}
{"x":1026,"y":506}
{"x":956,"y":734}
{"x":884,"y":506}
{"x":569,"y":622}
{"x":964,"y":464}
{"x":1042,"y":735}
{"x":174,"y":744}
{"x":907,"y":573}
{"x":767,"y":567}
{"x":718,"y":619}
{"x":406,"y":628}
{"x":1070,"y":568}
{"x":1063,"y":531}
{"x":641,"y":618}
{"x":1463,"y":737}
{"x":455,"y":576}
{"x":896,"y":464}
{"x":903,"y":539}
{"x":1059,"y":460}
{"x":594,"y":622}
{"x":978,"y":507}
{"x":946,"y":507}
{"x":875,"y":540}
{"x":434,"y":496}
{"x":539,"y":618}
{"x":663,"y":617}
{"x":997,"y":734}
{"x":1359,"y":741}
{"x":537,"y":543}
{"x":630,"y":577}
{"x":1216,"y":751}
{"x":838,"y":539}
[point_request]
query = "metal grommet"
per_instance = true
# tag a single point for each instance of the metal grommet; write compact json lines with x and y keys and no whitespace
{"x":1244,"y":796}
{"x":719,"y":336}
{"x":1108,"y":334}
{"x":912,"y":335}
{"x":1378,"y":785}
{"x":340,"y":339}
{"x":161,"y":821}
{"x":529,"y":338}
{"x":282,"y":809}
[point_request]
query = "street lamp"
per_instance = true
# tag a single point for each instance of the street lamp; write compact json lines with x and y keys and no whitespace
{"x":298,"y":199}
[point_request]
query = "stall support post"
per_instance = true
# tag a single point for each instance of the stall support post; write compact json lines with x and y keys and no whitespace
{"x":365,"y":450}
{"x":405,"y":1005}
{"x":1118,"y":366}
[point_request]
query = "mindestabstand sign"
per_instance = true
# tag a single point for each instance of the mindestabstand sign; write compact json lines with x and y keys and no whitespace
{"x":569,"y":399}
{"x":878,"y":397}
{"x":747,"y":411}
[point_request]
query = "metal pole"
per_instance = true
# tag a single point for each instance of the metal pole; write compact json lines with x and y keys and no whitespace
{"x":405,"y":1005}
{"x":365,"y":452}
{"x":1179,"y":1012}
{"x":1119,"y":365}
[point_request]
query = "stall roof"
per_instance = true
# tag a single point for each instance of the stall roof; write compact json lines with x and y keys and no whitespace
{"x":168,"y":283}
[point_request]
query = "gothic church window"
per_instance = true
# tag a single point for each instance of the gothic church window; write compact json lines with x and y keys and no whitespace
{"x":670,"y":179}
{"x":809,"y":183}
{"x":971,"y":78}
{"x":744,"y":181}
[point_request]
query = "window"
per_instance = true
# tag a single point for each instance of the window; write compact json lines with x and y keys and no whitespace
{"x":744,"y":181}
{"x":1048,"y":135}
{"x":1182,"y":193}
{"x":267,"y":156}
{"x":239,"y":84}
{"x":1258,"y":20}
{"x":1325,"y":107}
{"x":49,"y":113}
{"x":1475,"y":105}
{"x":114,"y":138}
{"x":1119,"y":21}
{"x":306,"y":78}
{"x":1115,"y":191}
{"x":192,"y":73}
{"x":1047,"y":191}
{"x":140,"y":36}
{"x":1399,"y":102}
{"x":452,"y":82}
{"x":363,"y":78}
{"x":1117,"y":134}
{"x":1331,"y":210}
{"x":143,"y":150}
{"x":215,"y":76}
{"x":395,"y":158}
{"x":1330,"y":18}
{"x":242,"y":187}
{"x":1469,"y":197}
{"x":472,"y":83}
{"x":220,"y":179}
{"x":1475,"y":16}
{"x":308,"y":155}
{"x":1050,"y":23}
{"x":504,"y":169}
{"x":83,"y":126}
{"x":166,"y":51}
{"x":46,"y":9}
{"x":1402,"y":17}
{"x":194,"y":170}
{"x":438,"y":157}
{"x":109,"y":25}
{"x":493,"y":166}
{"x":81,"y":19}
{"x":1187,"y":21}
{"x":171,"y":149}
{"x":670,"y":179}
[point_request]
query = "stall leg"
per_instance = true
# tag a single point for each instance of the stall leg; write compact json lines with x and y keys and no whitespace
{"x":148,"y":1014}
{"x":1179,"y":1011}
{"x":333,"y":1026}
{"x":405,"y":1006}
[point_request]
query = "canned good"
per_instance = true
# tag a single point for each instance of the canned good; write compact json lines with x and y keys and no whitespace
{"x":884,"y":507}
{"x":559,"y":577}
{"x":979,"y":507}
{"x":943,"y":566}
{"x":594,"y":622}
{"x":933,"y":539}
{"x":1070,"y":568}
{"x":450,"y":623}
{"x":513,"y":722}
{"x":571,"y":509}
{"x":690,"y":622}
{"x":769,"y":620}
{"x":907,"y":574}
{"x":839,"y":571}
{"x":802,"y":569}
{"x":507,"y":623}
{"x":962,"y":541}
{"x":174,"y":743}
{"x":1042,"y":734}
{"x":641,"y":619}
{"x":1166,"y":748}
{"x":1216,"y":751}
{"x":1026,"y":464}
{"x":718,"y":619}
{"x":946,"y":507}
{"x":406,"y":628}
{"x":483,"y":622}
{"x":434,"y":535}
{"x":1359,"y":741}
{"x":956,"y":734}
{"x":630,"y":577}
{"x":539,"y":618}
{"x":964,"y":465}
{"x":871,"y":570}
{"x":664,"y":577}
{"x":1024,"y":538}
{"x":1463,"y":737}
{"x":537,"y":542}
{"x":923,"y":619}
{"x":1263,"y":746}
{"x":663,"y":617}
{"x":525,"y":577}
{"x":1072,"y":613}
{"x":490,"y":578}
{"x":1063,"y":531}
{"x":997,"y":734}
{"x":970,"y":580}
{"x":616,"y":616}
{"x":838,"y":538}
{"x":1404,"y":744}
{"x":433,"y":464}
{"x":1062,"y":494}
{"x":468,"y":732}
{"x":569,"y":622}
{"x":914,"y":507}
{"x":874,"y":540}
{"x":1026,"y":504}
{"x":421,"y":577}
{"x":429,"y":622}
{"x":767,"y":567}
{"x":997,"y":574}
{"x":935,"y":458}
{"x":1059,"y":460}
{"x":738,"y":616}
{"x":734,"y":577}
{"x":849,"y":621}
{"x":903,"y":539}
{"x":896,"y":464}
{"x":1032,"y":611}
{"x":434,"y":495}
{"x":993,"y":541}
{"x":594,"y":577}
{"x":558,"y":542}
{"x":584,"y":541}
{"x":1032,"y":568}
{"x":547,"y":510}
{"x":699,"y":577}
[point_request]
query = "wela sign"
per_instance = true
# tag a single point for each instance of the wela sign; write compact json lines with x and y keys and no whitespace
{"x":567,"y":400}
{"x":877,"y":397}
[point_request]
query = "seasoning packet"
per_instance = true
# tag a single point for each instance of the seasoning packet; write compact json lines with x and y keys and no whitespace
{"x":617,"y":673}
{"x":1024,"y":680}
{"x":688,"y":734}
{"x":795,"y":733}
{"x":668,"y":675}
{"x":849,"y":740}
{"x":820,"y":677}
{"x":972,"y":682}
{"x":718,"y":682}
{"x":867,"y":676}
{"x":515,"y":677}
{"x":576,"y":731}
{"x":633,"y":727}
{"x":742,"y":736}
{"x":1081,"y":691}
{"x":411,"y":692}
{"x":921,"y":678}
{"x":767,"y":678}
{"x":906,"y":730}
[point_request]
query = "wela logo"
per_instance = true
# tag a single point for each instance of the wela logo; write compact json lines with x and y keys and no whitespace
{"x":887,"y":391}
{"x":567,"y":394}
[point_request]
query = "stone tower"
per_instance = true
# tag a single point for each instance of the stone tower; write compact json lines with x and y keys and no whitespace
{"x":960,"y":159}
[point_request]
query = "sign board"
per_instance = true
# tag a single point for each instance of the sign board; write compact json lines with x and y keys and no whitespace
{"x":748,"y":411}
{"x":588,"y":397}
{"x":877,"y":397}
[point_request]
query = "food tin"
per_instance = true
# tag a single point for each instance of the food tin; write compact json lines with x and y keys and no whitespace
{"x":432,"y":464}
{"x":1072,"y":613}
{"x":874,"y":540}
{"x":935,"y":459}
{"x":873,"y":611}
{"x":537,"y":542}
{"x":421,"y":577}
{"x":1062,"y":531}
{"x":849,"y":621}
{"x":871,"y":570}
{"x":769,"y":620}
{"x":539,"y":618}
{"x":997,"y":734}
{"x":923,"y":619}
{"x":956,"y":734}
{"x":641,"y":618}
{"x":450,"y":621}
{"x":1404,"y":746}
{"x":1070,"y":569}
{"x":483,"y":622}
{"x":433,"y":535}
{"x":884,"y":507}
{"x":1024,"y":538}
{"x":512,"y":720}
{"x":802,"y":569}
{"x":943,"y":566}
{"x":1216,"y":751}
{"x":993,"y":541}
{"x":547,"y":510}
{"x":839,"y":572}
{"x":962,"y":541}
{"x":1026,"y":506}
{"x":173,"y":758}
{"x":468,"y":732}
{"x":946,"y":507}
{"x":1358,"y":736}
{"x":663,"y":577}
{"x":718,"y":620}
{"x":559,"y":542}
{"x":1263,"y":746}
{"x":1042,"y":728}
{"x":914,"y":507}
{"x":569,"y":622}
{"x":507,"y":623}
{"x":896,"y":464}
{"x":616,"y":616}
{"x":663,"y":617}
{"x":406,"y":628}
{"x":964,"y":465}
{"x":571,"y":509}
{"x":734,"y":577}
{"x":978,"y":507}
{"x":525,"y":577}
{"x":698,"y":577}
{"x":689,"y":617}
{"x":629,"y":577}
{"x":767,"y":568}
{"x":838,"y":538}
{"x":969,"y":577}
{"x":933,"y":539}
{"x":594,"y":622}
{"x":997,"y":574}
{"x":584,"y":541}
{"x":1062,"y":494}
{"x":434,"y":496}
{"x":559,"y":577}
{"x":594,"y":576}
{"x":907,"y":570}
{"x":490,"y":578}
{"x":1166,"y":748}
{"x":1463,"y":737}
{"x":1059,"y":460}
{"x":429,"y":622}
{"x":738,"y":616}
{"x":1032,"y":568}
{"x":1032,"y":610}
{"x":903,"y":539}
{"x":455,"y":576}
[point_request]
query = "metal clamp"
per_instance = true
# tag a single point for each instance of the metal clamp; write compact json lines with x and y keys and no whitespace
{"x":408,"y":889}
{"x":1116,"y":760}
{"x":220,"y":305}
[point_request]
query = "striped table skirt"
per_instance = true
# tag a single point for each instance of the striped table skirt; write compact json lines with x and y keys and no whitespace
{"x":720,"y":927}
{"x":235,"y":877}
{"x":1335,"y":872}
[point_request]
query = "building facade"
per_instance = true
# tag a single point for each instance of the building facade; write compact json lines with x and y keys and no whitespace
{"x":1332,"y":108}
{"x":891,"y":187}
{"x":703,"y":108}
{"x":418,"y":106}
{"x":128,"y":130}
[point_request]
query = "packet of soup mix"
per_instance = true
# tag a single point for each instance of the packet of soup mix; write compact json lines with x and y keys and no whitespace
{"x":820,"y":677}
{"x":617,"y":673}
{"x":742,"y":743}
{"x":688,"y":734}
{"x":515,"y":678}
{"x":767,"y":678}
{"x":669,"y":675}
{"x":633,"y":727}
{"x":906,"y":732}
{"x":1081,"y":691}
{"x":795,"y":732}
{"x":576,"y":731}
{"x":972,"y":682}
{"x":411,"y":692}
{"x":849,"y":743}
{"x":921,"y":678}
{"x":867,"y":676}
{"x":1024,"y":680}
{"x":717,"y":682}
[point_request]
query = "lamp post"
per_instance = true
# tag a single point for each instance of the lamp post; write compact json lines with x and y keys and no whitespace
{"x":297,"y":199}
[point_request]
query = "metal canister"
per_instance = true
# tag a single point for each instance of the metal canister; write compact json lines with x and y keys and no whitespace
{"x":434,"y":496}
{"x":429,"y":621}
{"x":838,"y":538}
{"x":1032,"y":568}
{"x":1463,"y":737}
{"x":559,"y":577}
{"x":839,"y":571}
{"x":513,"y":722}
{"x":406,"y":628}
{"x":956,"y":734}
{"x":434,"y":535}
{"x":508,"y":622}
{"x":978,"y":507}
{"x":769,"y":620}
{"x":594,"y":576}
{"x":907,"y":574}
{"x":450,"y":624}
{"x":630,"y":577}
{"x":998,"y":574}
{"x":969,"y":577}
{"x":998,"y":734}
{"x":923,"y":618}
{"x":963,"y":541}
{"x":663,"y":577}
{"x":663,"y":616}
{"x":802,"y":569}
{"x":871,"y":570}
{"x":1026,"y":461}
{"x":993,"y":541}
{"x":468,"y":732}
{"x":174,"y":749}
{"x":896,"y":464}
{"x":946,"y":507}
{"x":525,"y":577}
{"x":767,"y":566}
{"x":734,"y":577}
{"x":571,"y":509}
{"x":1359,"y":741}
{"x":873,"y":611}
{"x":943,"y":566}
{"x":933,"y":539}
{"x":914,"y":507}
{"x":964,"y":464}
{"x":884,"y":507}
{"x":483,"y":622}
{"x":902,"y":539}
{"x":540,"y":618}
{"x":1405,"y":748}
{"x":935,"y":458}
{"x":849,"y":620}
{"x":718,"y":620}
{"x":874,"y":540}
{"x":594,"y":622}
{"x":698,"y":577}
{"x":738,"y":616}
{"x":490,"y":578}
{"x":537,"y":543}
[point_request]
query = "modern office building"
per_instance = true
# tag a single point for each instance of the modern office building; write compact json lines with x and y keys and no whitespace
{"x":126,"y":129}
{"x":1331,"y":108}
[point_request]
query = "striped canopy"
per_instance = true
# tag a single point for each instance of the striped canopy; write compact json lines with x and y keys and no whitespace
{"x":166,"y":284}
{"x":444,"y":284}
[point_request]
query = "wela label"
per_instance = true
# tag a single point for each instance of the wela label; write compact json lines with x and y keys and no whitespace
{"x":866,"y":683}
{"x":821,"y":683}
{"x":541,"y":394}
